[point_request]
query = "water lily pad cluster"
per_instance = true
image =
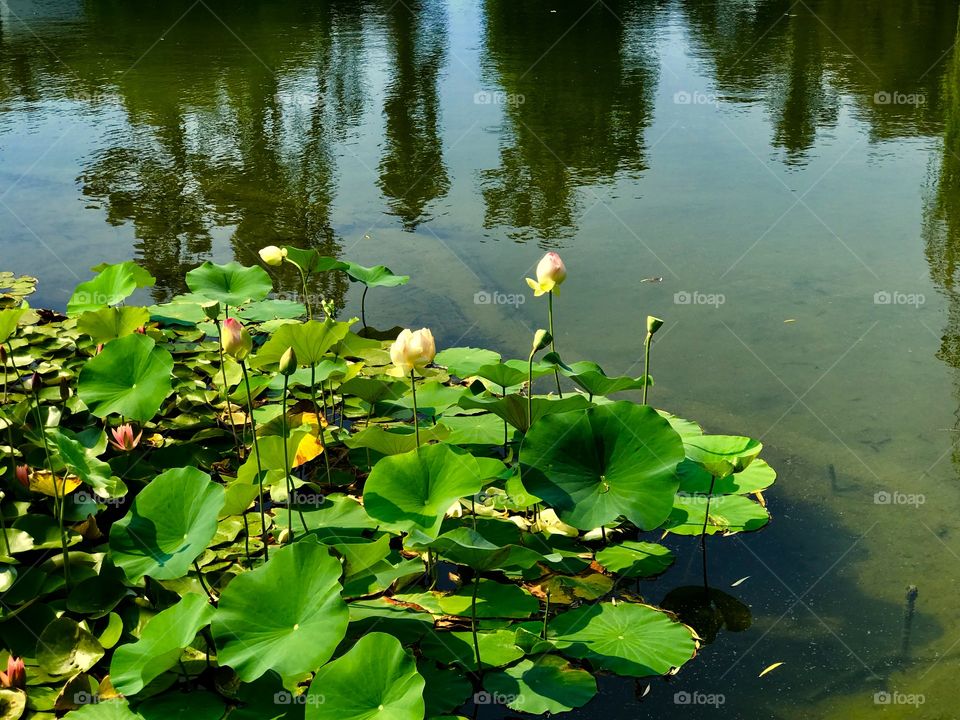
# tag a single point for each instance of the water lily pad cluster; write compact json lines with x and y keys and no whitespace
{"x":343,"y":565}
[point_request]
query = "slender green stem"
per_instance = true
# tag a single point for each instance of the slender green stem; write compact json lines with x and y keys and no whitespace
{"x":316,"y":411}
{"x":546,"y":613}
{"x":473,"y":625}
{"x":203,"y":583}
{"x":706,"y":513}
{"x":226,"y":388}
{"x":306,"y":295}
{"x":553,"y":341}
{"x":256,"y":452}
{"x":286,"y":459}
{"x":646,"y":366}
{"x":363,"y":305}
{"x":413,"y":389}
{"x":506,"y":430}
{"x":530,"y":391}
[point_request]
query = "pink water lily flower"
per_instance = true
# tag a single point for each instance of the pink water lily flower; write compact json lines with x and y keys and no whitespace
{"x":123,"y":439}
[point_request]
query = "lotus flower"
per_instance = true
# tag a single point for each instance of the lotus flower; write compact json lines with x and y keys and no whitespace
{"x":413,"y":351}
{"x":272,"y":255}
{"x":123,"y":439}
{"x":16,"y":674}
{"x":23,"y":475}
{"x":236,"y":340}
{"x":551,"y":272}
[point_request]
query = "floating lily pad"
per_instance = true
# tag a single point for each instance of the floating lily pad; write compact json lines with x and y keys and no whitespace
{"x":171,"y":522}
{"x":112,"y":322}
{"x":131,"y":377}
{"x":729,"y":514}
{"x":546,"y":684}
{"x":694,"y":479}
{"x":515,"y":410}
{"x":628,"y":639}
{"x":596,"y":465}
{"x":66,"y":647}
{"x":286,"y":615}
{"x":105,"y":710}
{"x":160,"y":644}
{"x":465,"y":361}
{"x":721,"y":455}
{"x":636,"y":559}
{"x":231,"y":284}
{"x":494,"y":599}
{"x":377,"y":677}
{"x":456,"y":648}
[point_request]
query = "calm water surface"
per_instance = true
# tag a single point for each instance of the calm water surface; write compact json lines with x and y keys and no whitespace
{"x":790,"y":169}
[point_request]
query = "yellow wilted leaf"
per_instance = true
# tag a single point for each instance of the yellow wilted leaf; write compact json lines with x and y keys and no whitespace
{"x":770,"y":668}
{"x":42,"y":481}
{"x":308,"y":449}
{"x":313,"y":419}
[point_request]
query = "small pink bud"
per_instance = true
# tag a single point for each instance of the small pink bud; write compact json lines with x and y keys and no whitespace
{"x":236,"y":340}
{"x":23,"y":475}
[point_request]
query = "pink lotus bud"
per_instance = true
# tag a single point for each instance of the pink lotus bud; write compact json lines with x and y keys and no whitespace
{"x":551,"y":272}
{"x":142,"y":330}
{"x":123,"y":438}
{"x":99,"y":348}
{"x":16,"y":674}
{"x":23,"y":475}
{"x":236,"y":340}
{"x":413,"y":350}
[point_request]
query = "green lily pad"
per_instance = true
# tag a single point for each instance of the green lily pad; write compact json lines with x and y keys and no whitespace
{"x":376,"y":276}
{"x":105,"y":710}
{"x":591,"y":377}
{"x":722,"y":455}
{"x":112,"y":284}
{"x":546,"y":684}
{"x":311,"y":261}
{"x":466,"y":546}
{"x":377,"y":677}
{"x":729,"y":514}
{"x":494,"y":600}
{"x":172,"y":521}
{"x":66,"y":647}
{"x":627,"y":639}
{"x":266,"y":310}
{"x":694,"y":479}
{"x":231,"y":284}
{"x":595,"y":465}
{"x":636,"y":559}
{"x":160,"y":644}
{"x":413,"y":490}
{"x":465,"y":361}
{"x":286,"y":615}
{"x":514,"y":409}
{"x":131,"y":377}
{"x":112,"y":322}
{"x":310,"y":341}
{"x":83,"y":462}
{"x":497,"y":648}
{"x":13,"y":703}
{"x":8,"y":321}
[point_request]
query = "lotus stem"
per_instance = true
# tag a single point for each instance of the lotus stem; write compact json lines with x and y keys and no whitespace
{"x":473,"y":625}
{"x":286,"y":459}
{"x":506,"y":430}
{"x":363,"y":305}
{"x":413,"y":389}
{"x":316,"y":411}
{"x":306,"y":294}
{"x":546,"y":612}
{"x":553,"y":342}
{"x":703,"y":533}
{"x":256,"y":452}
{"x":646,"y":365}
{"x":203,"y":583}
{"x":226,"y":388}
{"x":530,"y":391}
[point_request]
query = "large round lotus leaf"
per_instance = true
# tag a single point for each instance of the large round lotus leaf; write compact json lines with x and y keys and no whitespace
{"x":494,"y":600}
{"x":635,"y":559}
{"x":376,"y":678}
{"x":721,"y":455}
{"x":446,"y":690}
{"x":66,"y":647}
{"x":232,"y":283}
{"x":13,"y":703}
{"x":310,"y":341}
{"x":286,"y":615}
{"x":413,"y":490}
{"x":497,"y":648}
{"x":729,"y":514}
{"x":171,"y":522}
{"x":160,"y":644}
{"x":113,"y":284}
{"x":376,"y":276}
{"x":694,"y":479}
{"x":465,"y":361}
{"x":112,"y":322}
{"x":515,"y":408}
{"x":547,"y":684}
{"x":466,"y":546}
{"x":105,"y":710}
{"x":131,"y":377}
{"x":627,"y":639}
{"x":595,"y":465}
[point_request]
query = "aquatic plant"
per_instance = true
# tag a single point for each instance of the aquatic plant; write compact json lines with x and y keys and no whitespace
{"x":151,"y":453}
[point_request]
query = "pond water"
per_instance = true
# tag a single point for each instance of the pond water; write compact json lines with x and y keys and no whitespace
{"x":784,"y":173}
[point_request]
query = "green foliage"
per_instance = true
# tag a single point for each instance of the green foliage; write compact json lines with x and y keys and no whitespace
{"x":152,"y":566}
